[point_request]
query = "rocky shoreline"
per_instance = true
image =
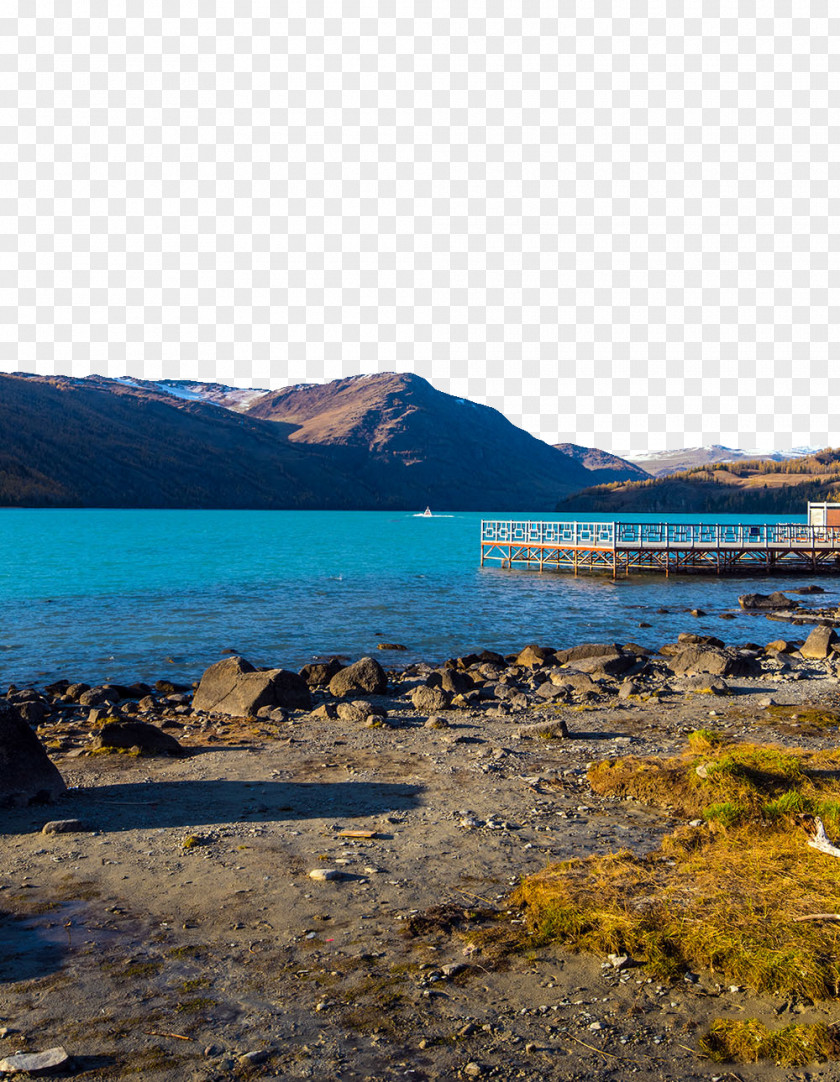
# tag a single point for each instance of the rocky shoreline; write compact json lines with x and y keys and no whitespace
{"x":290,"y":875}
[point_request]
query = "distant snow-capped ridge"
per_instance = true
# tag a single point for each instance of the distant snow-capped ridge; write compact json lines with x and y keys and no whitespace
{"x":217,"y":394}
{"x":716,"y":449}
{"x":662,"y":463}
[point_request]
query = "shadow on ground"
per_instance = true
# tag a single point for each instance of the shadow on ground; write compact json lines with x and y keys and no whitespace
{"x":149,"y":805}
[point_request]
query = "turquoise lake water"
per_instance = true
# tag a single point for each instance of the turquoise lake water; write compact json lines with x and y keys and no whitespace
{"x":139,"y":595}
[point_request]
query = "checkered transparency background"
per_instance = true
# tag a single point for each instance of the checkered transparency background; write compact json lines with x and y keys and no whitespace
{"x":619,"y":226}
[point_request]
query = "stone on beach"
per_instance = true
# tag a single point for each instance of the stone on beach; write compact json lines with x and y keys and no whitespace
{"x":430,"y":700}
{"x":459,"y":683}
{"x":234,"y":687}
{"x":64,"y":826}
{"x":34,"y":1062}
{"x":535,"y":655}
{"x":358,"y":710}
{"x":318,"y":673}
{"x":710,"y":659}
{"x":587,"y":649}
{"x":26,"y":774}
{"x":819,"y":643}
{"x":119,"y":735}
{"x":365,"y":675}
{"x":611,"y":664}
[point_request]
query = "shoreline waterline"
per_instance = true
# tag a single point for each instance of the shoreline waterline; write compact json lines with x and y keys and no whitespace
{"x":136,"y":595}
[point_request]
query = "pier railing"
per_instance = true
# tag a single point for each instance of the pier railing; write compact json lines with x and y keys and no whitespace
{"x":659,"y":535}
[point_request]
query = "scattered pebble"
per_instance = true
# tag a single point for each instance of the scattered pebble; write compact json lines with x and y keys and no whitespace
{"x":325,"y":875}
{"x":34,"y":1062}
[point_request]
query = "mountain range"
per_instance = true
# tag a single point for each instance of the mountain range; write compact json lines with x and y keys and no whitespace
{"x":384,"y":441}
{"x":664,"y":463}
{"x":368,"y":442}
{"x":753,"y":486}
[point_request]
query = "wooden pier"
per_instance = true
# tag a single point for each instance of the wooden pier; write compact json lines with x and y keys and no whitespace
{"x":619,"y":548}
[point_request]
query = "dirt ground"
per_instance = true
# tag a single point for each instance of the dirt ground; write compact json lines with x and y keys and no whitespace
{"x":180,"y":935}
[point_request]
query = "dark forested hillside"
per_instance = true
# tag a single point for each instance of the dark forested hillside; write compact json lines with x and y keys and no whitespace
{"x":385,"y":441}
{"x":752,"y":487}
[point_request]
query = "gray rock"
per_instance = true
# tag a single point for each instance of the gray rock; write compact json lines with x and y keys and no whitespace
{"x":149,"y":739}
{"x":64,"y":826}
{"x":324,"y":712}
{"x":73,"y":691}
{"x":275,"y":714}
{"x":819,"y":643}
{"x":587,"y":649}
{"x":609,"y":664}
{"x":628,"y":687}
{"x":34,"y":1062}
{"x":32,"y":712}
{"x":430,"y":700}
{"x":365,"y":675}
{"x":319,"y":673}
{"x":705,"y":684}
{"x":690,"y":639}
{"x":98,"y":697}
{"x":248,"y":1059}
{"x":235,"y":688}
{"x":710,"y":659}
{"x":554,"y":728}
{"x":535,"y":655}
{"x":573,"y":680}
{"x":26,"y":774}
{"x":436,"y":722}
{"x":548,"y":692}
{"x":326,"y":875}
{"x":776,"y":600}
{"x":358,"y":711}
{"x":452,"y":680}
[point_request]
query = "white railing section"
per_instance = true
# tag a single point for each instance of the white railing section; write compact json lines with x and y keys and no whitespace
{"x":656,"y":535}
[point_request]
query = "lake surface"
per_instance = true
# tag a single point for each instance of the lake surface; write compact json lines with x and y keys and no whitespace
{"x":139,"y":595}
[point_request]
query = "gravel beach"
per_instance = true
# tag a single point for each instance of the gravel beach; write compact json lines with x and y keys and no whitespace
{"x":305,"y":893}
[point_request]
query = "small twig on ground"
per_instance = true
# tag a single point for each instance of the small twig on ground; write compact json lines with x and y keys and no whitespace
{"x":817,"y":916}
{"x":470,"y":893}
{"x":177,"y":1036}
{"x":592,"y":1048}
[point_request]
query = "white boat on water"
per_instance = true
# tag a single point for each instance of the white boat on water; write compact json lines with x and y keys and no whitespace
{"x":427,"y":513}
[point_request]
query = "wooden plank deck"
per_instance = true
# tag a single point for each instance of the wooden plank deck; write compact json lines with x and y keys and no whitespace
{"x":624,"y":547}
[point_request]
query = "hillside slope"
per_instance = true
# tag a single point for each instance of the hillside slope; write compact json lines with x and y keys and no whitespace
{"x":603,"y":467}
{"x":401,"y":431}
{"x":749,"y":487}
{"x":85,"y":443}
{"x":380,"y":442}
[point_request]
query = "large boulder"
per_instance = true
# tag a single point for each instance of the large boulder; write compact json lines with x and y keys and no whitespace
{"x":318,"y":673}
{"x":819,"y":643}
{"x":714,"y":661}
{"x":234,"y":687}
{"x":430,"y":700}
{"x":535,"y":655}
{"x":587,"y":649}
{"x":605,"y":664}
{"x":365,"y":675}
{"x":459,"y":683}
{"x":26,"y":774}
{"x":123,"y":735}
{"x":776,"y":600}
{"x":358,"y":711}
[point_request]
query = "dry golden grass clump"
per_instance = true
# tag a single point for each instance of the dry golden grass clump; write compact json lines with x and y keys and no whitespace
{"x":748,"y":1041}
{"x":723,"y":896}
